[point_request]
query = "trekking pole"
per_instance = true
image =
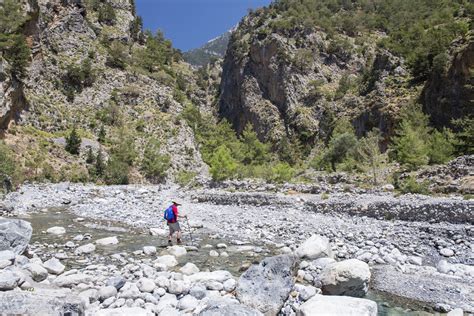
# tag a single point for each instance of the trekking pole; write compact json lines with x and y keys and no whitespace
{"x":190,"y":231}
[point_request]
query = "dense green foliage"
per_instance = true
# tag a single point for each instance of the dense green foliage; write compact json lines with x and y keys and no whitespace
{"x":420,"y":31}
{"x":8,"y":167}
{"x":465,"y":136}
{"x":118,"y":55}
{"x":106,"y":14}
{"x":368,"y":154}
{"x":155,"y":164}
{"x":441,"y":146}
{"x":13,"y":44}
{"x":78,"y":77}
{"x":410,"y":185}
{"x":73,"y":142}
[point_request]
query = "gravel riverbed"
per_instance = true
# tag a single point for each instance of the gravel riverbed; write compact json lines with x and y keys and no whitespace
{"x":373,"y":228}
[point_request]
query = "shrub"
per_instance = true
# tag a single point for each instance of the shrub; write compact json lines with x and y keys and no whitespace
{"x":100,"y":166}
{"x":118,"y":55}
{"x":155,"y":164}
{"x":410,"y":185}
{"x":124,"y":148}
{"x":73,"y":142}
{"x":282,"y":172}
{"x":90,"y":159}
{"x":185,"y":178}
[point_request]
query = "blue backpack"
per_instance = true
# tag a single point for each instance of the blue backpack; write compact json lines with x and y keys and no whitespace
{"x":169,"y":214}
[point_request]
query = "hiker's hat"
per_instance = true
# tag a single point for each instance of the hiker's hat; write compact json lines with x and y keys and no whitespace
{"x":175,"y":203}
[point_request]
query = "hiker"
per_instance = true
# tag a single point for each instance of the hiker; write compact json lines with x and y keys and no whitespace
{"x":172,"y":216}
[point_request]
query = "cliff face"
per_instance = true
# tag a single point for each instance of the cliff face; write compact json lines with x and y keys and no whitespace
{"x":296,"y":85}
{"x":449,"y":94}
{"x":68,"y":34}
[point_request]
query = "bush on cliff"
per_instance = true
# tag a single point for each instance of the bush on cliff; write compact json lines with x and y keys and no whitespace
{"x":154,"y":164}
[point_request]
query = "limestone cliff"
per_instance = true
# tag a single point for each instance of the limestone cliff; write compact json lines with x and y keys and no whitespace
{"x":69,"y":34}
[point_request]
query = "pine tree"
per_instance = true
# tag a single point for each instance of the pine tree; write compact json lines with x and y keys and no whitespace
{"x":465,"y":135}
{"x":155,"y":164}
{"x":73,"y":142}
{"x":99,"y":164}
{"x":341,"y":145}
{"x":441,"y":146}
{"x":411,"y":144}
{"x":102,"y":134}
{"x":90,"y":156}
{"x":223,"y":166}
{"x":369,"y":154}
{"x":254,"y":152}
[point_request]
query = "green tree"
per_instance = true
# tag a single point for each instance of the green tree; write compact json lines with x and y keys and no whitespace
{"x":223,"y":166}
{"x":100,"y":164}
{"x":107,"y":14}
{"x":155,"y":164}
{"x":101,"y":135}
{"x":124,"y":149}
{"x":13,"y":44}
{"x":369,"y":155}
{"x":253,"y":151}
{"x":116,"y":171}
{"x":411,"y":143}
{"x":73,"y":142}
{"x":441,"y":146}
{"x":465,"y":135}
{"x":8,"y":166}
{"x":90,"y":159}
{"x":342,"y":144}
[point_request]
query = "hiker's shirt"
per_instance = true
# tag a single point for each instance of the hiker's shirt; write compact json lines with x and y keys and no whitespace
{"x":174,"y":208}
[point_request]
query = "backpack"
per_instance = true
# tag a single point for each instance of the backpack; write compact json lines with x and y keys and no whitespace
{"x":169,"y":214}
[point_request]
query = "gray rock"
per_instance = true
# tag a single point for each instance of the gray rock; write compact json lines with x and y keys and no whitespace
{"x":198,"y":291}
{"x":149,"y":250}
{"x":56,"y":230}
{"x":266,"y":286}
{"x":108,"y":241}
{"x":41,"y":302}
{"x":189,"y":268}
{"x":230,"y":285}
{"x":456,"y":312}
{"x":177,"y":251}
{"x":106,"y":292}
{"x":226,"y":307}
{"x":146,"y":285}
{"x":38,"y":273}
{"x":446,"y":252}
{"x":117,"y":281}
{"x":8,"y":280}
{"x":349,"y":277}
{"x":168,"y":260}
{"x":218,"y":275}
{"x":54,"y":266}
{"x":90,"y":295}
{"x":15,"y":235}
{"x":84,"y":249}
{"x":188,"y":303}
{"x":7,"y":255}
{"x":124,"y":311}
{"x":5,"y":263}
{"x":337,"y":305}
{"x":315,"y":247}
{"x":71,"y":279}
{"x":306,"y":292}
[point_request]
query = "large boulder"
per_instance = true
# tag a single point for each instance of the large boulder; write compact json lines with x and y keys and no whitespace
{"x":321,"y":305}
{"x":41,"y":302}
{"x":315,"y":247}
{"x":54,"y":266}
{"x":349,"y":277}
{"x":266,"y":286}
{"x":227,"y":307}
{"x":8,"y":280}
{"x":15,"y":235}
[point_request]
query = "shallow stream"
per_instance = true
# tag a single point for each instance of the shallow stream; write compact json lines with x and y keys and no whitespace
{"x":132,"y":240}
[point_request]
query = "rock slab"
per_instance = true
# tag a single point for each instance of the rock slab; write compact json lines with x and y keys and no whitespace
{"x":42,"y":302}
{"x":266,"y":286}
{"x":321,"y":305}
{"x":15,"y":235}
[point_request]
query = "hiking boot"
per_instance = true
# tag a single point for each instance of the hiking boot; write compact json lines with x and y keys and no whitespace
{"x":179,"y":242}
{"x":170,"y":243}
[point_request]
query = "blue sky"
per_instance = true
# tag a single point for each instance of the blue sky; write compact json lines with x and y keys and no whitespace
{"x":191,"y":23}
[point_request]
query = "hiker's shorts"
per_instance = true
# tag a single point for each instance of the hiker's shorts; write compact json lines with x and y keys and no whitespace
{"x":174,"y":227}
